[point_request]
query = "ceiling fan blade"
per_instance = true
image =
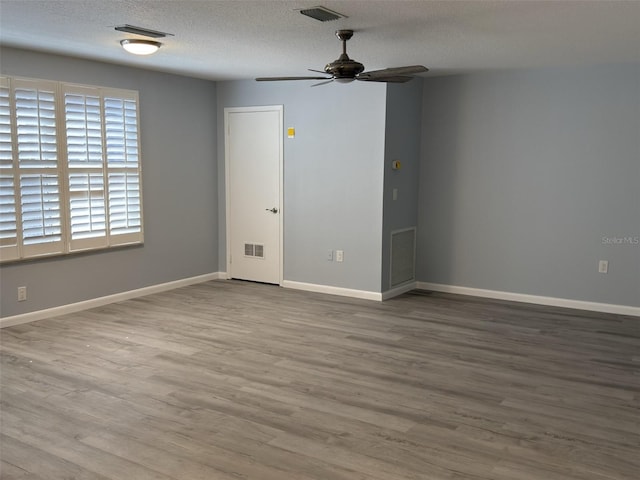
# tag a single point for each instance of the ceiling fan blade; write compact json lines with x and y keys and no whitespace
{"x":394,"y":71}
{"x":322,"y":83}
{"x":318,"y":71}
{"x":395,"y":79}
{"x":277,"y":79}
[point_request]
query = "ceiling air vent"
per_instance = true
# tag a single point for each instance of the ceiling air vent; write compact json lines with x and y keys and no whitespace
{"x":322,"y":14}
{"x":145,"y":32}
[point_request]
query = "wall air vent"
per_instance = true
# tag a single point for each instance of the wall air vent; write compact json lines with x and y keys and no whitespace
{"x":403,"y":256}
{"x":145,"y":32}
{"x":322,"y":14}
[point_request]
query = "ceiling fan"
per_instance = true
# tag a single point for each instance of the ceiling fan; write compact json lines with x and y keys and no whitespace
{"x":346,"y":70}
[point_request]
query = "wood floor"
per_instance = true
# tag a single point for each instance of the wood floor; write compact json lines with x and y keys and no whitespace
{"x":230,"y":380}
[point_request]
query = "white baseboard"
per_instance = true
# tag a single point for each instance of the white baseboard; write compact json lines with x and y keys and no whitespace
{"x":311,"y":287}
{"x":100,"y":301}
{"x":394,"y":292}
{"x":344,"y":292}
{"x":540,"y":300}
{"x":348,"y":292}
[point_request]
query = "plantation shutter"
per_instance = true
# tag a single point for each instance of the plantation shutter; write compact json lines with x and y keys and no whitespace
{"x":36,"y":144}
{"x":103,"y":167}
{"x":8,"y":219}
{"x":85,"y":167}
{"x":70,"y":170}
{"x":123,"y":165}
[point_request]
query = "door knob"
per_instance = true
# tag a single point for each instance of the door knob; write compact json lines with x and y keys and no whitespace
{"x":272,"y":210}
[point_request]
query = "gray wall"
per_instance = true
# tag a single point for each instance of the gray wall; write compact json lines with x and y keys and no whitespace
{"x":524,"y":173}
{"x":521,"y":176}
{"x":402,"y":142}
{"x":333,"y":177}
{"x":178,"y":133}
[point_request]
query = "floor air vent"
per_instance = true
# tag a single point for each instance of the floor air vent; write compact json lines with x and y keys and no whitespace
{"x":403,"y":256}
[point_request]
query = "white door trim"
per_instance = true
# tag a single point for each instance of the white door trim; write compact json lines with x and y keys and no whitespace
{"x":268,"y":108}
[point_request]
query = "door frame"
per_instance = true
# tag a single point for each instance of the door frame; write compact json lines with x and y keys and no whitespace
{"x":227,"y":175}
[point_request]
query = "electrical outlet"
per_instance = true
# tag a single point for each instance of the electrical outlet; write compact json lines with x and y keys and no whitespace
{"x":330,"y":255}
{"x":22,"y":294}
{"x":339,"y":255}
{"x":603,"y":266}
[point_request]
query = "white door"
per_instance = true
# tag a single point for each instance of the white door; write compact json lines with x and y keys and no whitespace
{"x":253,"y":164}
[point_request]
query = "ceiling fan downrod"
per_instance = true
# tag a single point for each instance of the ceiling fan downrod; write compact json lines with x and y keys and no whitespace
{"x":343,"y":36}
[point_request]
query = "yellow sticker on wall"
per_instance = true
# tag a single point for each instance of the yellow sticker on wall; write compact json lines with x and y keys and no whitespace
{"x":291,"y":132}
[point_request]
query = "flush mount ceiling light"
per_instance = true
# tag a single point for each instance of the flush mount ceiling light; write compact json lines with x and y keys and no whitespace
{"x":140,"y":47}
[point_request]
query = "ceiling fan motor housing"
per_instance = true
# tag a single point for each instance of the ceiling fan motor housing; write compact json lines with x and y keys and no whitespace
{"x":344,"y":67}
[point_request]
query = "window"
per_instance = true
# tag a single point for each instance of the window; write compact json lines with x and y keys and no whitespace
{"x":70,"y":172}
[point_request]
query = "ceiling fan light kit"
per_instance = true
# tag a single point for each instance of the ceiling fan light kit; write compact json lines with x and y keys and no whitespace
{"x":346,"y":70}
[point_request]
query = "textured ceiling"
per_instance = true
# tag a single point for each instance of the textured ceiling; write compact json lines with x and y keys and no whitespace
{"x":244,"y":39}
